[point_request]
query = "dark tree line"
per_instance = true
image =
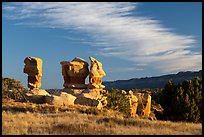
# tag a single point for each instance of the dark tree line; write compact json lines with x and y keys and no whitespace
{"x":182,"y":102}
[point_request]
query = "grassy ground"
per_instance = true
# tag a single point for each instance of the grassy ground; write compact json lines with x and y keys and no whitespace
{"x":28,"y":118}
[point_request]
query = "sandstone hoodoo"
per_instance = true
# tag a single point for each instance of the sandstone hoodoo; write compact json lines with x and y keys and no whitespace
{"x":75,"y":73}
{"x":76,"y":91}
{"x":33,"y":67}
{"x":96,"y":74}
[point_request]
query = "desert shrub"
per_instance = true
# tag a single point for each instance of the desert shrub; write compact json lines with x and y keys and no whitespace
{"x":12,"y":88}
{"x":118,"y":100}
{"x":182,"y":102}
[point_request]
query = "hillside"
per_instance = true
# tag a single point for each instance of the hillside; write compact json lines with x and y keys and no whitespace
{"x":20,"y":118}
{"x":151,"y":82}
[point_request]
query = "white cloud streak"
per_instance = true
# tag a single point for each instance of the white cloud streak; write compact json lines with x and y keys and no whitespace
{"x":124,"y":69}
{"x":117,"y":32}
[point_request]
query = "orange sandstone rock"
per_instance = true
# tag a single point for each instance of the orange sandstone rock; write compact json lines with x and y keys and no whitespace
{"x":33,"y":67}
{"x":96,"y":74}
{"x":75,"y":73}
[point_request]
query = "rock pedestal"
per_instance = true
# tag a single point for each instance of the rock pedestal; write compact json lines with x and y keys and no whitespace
{"x":75,"y":73}
{"x":33,"y":67}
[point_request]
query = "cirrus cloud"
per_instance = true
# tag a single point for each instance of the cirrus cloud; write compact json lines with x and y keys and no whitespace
{"x":115,"y":30}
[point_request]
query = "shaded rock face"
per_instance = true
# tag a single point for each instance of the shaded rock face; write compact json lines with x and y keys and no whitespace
{"x":83,"y":100}
{"x":33,"y":67}
{"x":96,"y":74}
{"x":36,"y":96}
{"x":75,"y":73}
{"x":74,"y":92}
{"x":144,"y":104}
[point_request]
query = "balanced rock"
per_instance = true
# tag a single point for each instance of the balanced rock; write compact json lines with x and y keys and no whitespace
{"x":96,"y":74}
{"x":75,"y":73}
{"x":33,"y":67}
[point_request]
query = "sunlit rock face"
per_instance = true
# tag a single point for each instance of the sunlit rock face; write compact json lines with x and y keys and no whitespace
{"x":75,"y":73}
{"x":96,"y":74}
{"x":60,"y":100}
{"x":33,"y":67}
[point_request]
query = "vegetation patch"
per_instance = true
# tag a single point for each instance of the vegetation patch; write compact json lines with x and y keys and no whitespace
{"x":182,"y":102}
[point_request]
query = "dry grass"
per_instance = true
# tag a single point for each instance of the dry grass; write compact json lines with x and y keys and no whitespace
{"x":24,"y":119}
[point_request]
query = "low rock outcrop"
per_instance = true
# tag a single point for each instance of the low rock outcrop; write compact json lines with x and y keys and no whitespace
{"x":88,"y":101}
{"x":35,"y":95}
{"x":62,"y":100}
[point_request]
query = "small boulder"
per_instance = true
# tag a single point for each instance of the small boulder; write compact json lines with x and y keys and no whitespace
{"x":81,"y":100}
{"x":62,"y":100}
{"x":36,"y":95}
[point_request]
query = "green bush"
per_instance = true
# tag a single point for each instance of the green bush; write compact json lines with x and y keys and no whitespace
{"x":12,"y":88}
{"x":182,"y":102}
{"x":118,"y":100}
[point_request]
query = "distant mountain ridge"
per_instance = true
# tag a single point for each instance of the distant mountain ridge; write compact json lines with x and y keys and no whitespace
{"x":151,"y":82}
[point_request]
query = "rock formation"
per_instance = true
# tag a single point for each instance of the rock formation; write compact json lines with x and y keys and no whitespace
{"x":75,"y":73}
{"x":33,"y":67}
{"x":133,"y":104}
{"x":144,"y":104}
{"x":36,"y":95}
{"x":76,"y":91}
{"x":96,"y":74}
{"x":60,"y":100}
{"x":147,"y":109}
{"x":82,"y":100}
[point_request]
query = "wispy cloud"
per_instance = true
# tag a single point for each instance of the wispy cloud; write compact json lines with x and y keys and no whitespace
{"x":116,"y":32}
{"x":124,"y":69}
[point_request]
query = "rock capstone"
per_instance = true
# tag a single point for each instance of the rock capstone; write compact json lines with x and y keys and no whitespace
{"x":75,"y":73}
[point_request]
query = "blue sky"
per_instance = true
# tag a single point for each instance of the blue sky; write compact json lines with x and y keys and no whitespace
{"x":132,"y":40}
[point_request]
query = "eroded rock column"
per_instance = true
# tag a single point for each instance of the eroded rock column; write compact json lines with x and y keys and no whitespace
{"x":96,"y":74}
{"x":33,"y":67}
